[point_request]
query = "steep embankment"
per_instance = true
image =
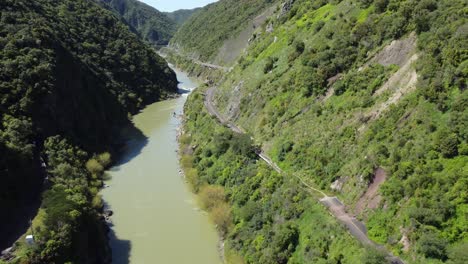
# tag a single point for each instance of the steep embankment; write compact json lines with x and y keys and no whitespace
{"x":154,"y":26}
{"x":263,"y":216}
{"x":71,"y":73}
{"x":203,"y":35}
{"x":366,"y":99}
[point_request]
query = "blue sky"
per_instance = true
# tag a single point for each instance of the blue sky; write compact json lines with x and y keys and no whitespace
{"x":172,"y":5}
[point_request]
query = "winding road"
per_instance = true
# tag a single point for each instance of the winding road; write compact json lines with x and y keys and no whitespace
{"x":337,"y":209}
{"x":212,"y":66}
{"x":196,"y":61}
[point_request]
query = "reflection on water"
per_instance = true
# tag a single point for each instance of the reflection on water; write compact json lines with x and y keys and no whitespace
{"x":155,"y":217}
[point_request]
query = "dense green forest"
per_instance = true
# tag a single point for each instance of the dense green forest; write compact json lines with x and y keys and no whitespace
{"x":203,"y":34}
{"x":335,"y":91}
{"x":154,"y":26}
{"x":182,"y":15}
{"x":71,"y":73}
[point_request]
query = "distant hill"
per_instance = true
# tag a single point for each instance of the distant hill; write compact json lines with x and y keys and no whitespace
{"x":205,"y":33}
{"x":153,"y":25}
{"x":182,"y":15}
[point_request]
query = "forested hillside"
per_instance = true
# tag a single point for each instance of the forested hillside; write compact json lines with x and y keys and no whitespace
{"x":154,"y":26}
{"x":204,"y":34}
{"x":70,"y":75}
{"x":182,"y":15}
{"x":365,"y":100}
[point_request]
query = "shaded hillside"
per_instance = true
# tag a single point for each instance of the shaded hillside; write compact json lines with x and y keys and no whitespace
{"x":70,"y":75}
{"x":182,"y":15}
{"x":365,"y":100}
{"x":154,"y":26}
{"x":205,"y":32}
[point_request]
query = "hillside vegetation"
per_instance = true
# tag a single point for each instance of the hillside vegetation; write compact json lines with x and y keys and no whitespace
{"x":263,"y":216}
{"x":154,"y":26}
{"x":204,"y":33}
{"x":182,"y":15}
{"x":336,"y":91}
{"x":70,"y":75}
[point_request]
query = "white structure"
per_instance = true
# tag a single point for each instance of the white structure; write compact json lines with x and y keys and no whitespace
{"x":30,"y":240}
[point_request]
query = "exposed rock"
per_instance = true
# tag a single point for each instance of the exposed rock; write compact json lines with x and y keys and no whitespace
{"x":7,"y":254}
{"x":286,"y":7}
{"x":108,"y":213}
{"x":404,"y":240}
{"x":234,"y":46}
{"x":234,"y":104}
{"x":269,"y":28}
{"x":398,"y":52}
{"x":337,"y":185}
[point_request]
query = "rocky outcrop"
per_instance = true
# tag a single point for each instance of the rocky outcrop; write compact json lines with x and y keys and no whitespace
{"x":286,"y":7}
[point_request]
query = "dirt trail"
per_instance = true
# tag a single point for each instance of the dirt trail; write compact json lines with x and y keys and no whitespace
{"x":212,"y":66}
{"x":196,"y":61}
{"x":334,"y":205}
{"x":371,"y":198}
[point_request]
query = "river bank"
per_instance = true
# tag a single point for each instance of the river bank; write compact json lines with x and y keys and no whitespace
{"x":155,"y":215}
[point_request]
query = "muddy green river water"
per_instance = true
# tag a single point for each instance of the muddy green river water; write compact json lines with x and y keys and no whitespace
{"x":156,"y":219}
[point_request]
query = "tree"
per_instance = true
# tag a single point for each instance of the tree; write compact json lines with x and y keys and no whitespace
{"x":310,"y":81}
{"x":104,"y":159}
{"x":381,"y":5}
{"x":449,"y":145}
{"x":221,"y":216}
{"x":94,"y":167}
{"x":374,"y":256}
{"x":432,"y":246}
{"x":211,"y":196}
{"x":270,"y":64}
{"x":458,"y":254}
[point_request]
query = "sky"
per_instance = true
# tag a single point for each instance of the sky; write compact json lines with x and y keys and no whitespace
{"x":172,"y":5}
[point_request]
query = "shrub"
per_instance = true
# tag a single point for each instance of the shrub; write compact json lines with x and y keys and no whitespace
{"x":432,"y":246}
{"x":270,"y":64}
{"x":448,"y":145}
{"x":211,"y":196}
{"x":221,"y":216}
{"x":94,"y":167}
{"x":104,"y":159}
{"x":373,"y":256}
{"x":381,"y":5}
{"x":458,"y":254}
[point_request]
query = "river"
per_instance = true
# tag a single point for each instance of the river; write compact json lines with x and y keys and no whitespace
{"x":156,"y":219}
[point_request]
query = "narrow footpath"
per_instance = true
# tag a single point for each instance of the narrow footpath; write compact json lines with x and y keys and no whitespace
{"x":337,"y":209}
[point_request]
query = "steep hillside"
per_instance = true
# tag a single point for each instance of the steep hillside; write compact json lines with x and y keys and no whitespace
{"x":203,"y":35}
{"x":154,"y":26}
{"x":70,"y":75}
{"x":262,"y":215}
{"x":365,"y":100}
{"x":182,"y":15}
